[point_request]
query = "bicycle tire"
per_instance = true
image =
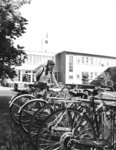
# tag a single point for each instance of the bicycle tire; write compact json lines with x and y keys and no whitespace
{"x":45,"y":132}
{"x":27,"y":111}
{"x":16,"y":104}
{"x":38,"y":118}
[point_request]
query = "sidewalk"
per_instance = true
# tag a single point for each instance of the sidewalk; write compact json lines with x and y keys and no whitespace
{"x":6,"y":88}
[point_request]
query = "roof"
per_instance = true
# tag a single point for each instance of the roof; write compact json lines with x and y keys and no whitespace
{"x":86,"y":54}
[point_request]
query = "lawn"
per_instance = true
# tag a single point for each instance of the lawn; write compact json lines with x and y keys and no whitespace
{"x":12,"y":137}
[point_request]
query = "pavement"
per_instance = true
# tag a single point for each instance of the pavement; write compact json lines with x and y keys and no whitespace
{"x":6,"y":91}
{"x":6,"y":88}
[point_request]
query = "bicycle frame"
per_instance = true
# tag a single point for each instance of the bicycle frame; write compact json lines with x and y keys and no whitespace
{"x":103,"y":143}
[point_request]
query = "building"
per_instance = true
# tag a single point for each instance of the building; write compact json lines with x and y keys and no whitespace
{"x":71,"y":66}
{"x":34,"y":59}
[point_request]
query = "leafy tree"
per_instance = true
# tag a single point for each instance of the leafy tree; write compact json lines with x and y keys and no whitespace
{"x":103,"y":79}
{"x":12,"y":26}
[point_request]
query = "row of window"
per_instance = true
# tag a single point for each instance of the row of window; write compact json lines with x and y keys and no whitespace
{"x":90,"y":61}
{"x":95,"y":61}
{"x":91,"y":75}
{"x":37,"y":59}
{"x":27,"y":74}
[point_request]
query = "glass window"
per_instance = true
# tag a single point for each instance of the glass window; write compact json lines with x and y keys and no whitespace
{"x":70,"y":77}
{"x":91,"y":75}
{"x":95,"y":73}
{"x":78,"y":76}
{"x":82,"y":60}
{"x":91,"y":60}
{"x":78,"y":60}
{"x":70,"y":63}
{"x":87,"y":60}
{"x":19,"y":74}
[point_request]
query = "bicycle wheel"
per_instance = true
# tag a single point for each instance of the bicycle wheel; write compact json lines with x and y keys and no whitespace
{"x":38,"y":118}
{"x":55,"y":132}
{"x":27,"y":111}
{"x":16,"y":104}
{"x":18,"y":93}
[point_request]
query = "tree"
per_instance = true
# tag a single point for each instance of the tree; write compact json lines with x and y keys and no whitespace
{"x":103,"y":79}
{"x":12,"y":26}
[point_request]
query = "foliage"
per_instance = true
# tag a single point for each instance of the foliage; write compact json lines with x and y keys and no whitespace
{"x":12,"y":26}
{"x":103,"y":80}
{"x":106,"y":79}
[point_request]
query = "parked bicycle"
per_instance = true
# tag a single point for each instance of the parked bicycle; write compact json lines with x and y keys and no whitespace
{"x":70,"y":129}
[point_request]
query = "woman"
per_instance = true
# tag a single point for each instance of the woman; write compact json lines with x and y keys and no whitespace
{"x":45,"y":76}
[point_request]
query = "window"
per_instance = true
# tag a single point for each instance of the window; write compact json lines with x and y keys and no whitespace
{"x":82,"y":60}
{"x":78,"y":60}
{"x":70,"y":77}
{"x":70,"y":63}
{"x":19,"y":74}
{"x":91,"y":75}
{"x":95,"y":73}
{"x":91,"y":60}
{"x":78,"y":76}
{"x":87,"y":60}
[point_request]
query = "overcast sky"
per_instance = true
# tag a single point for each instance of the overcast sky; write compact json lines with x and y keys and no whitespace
{"x":87,"y":26}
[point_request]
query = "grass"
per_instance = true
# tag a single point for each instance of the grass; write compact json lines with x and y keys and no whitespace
{"x":12,"y":137}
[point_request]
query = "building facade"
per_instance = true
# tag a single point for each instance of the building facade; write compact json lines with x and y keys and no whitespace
{"x":72,"y":65}
{"x":34,"y":59}
{"x":69,"y":68}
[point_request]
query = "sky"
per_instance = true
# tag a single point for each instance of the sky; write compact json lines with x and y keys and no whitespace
{"x":86,"y":26}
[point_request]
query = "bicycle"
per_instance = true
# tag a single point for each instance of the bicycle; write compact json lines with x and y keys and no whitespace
{"x":56,"y":103}
{"x":22,"y":97}
{"x":33,"y":106}
{"x":76,"y":136}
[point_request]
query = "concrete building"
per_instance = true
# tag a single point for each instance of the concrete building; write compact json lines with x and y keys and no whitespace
{"x":34,"y":59}
{"x":71,"y":66}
